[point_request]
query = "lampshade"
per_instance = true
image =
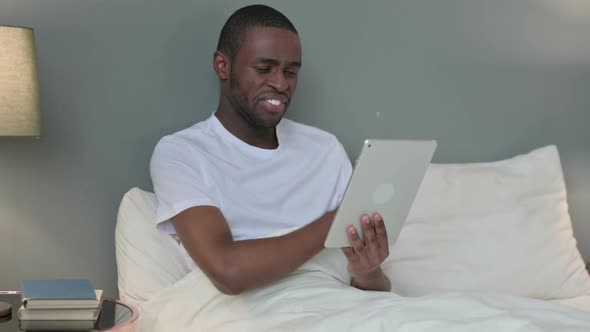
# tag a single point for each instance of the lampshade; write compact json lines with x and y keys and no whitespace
{"x":19,"y":85}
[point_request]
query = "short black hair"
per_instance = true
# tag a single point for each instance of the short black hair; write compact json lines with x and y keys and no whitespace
{"x":235,"y":28}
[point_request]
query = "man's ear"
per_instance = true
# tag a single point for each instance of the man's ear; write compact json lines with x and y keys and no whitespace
{"x":221,"y":64}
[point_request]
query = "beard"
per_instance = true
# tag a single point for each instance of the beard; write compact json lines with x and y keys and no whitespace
{"x":248,"y":112}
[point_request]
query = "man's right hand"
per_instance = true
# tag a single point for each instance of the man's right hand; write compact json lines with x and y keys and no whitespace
{"x":365,"y":257}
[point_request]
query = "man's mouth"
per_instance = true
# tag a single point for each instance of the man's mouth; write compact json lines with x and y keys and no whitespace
{"x":275,"y":102}
{"x":274,"y":105}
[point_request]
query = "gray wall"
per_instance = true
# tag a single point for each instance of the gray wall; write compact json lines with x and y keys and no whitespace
{"x":488,"y":79}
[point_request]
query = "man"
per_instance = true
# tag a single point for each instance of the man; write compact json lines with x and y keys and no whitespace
{"x":225,"y":184}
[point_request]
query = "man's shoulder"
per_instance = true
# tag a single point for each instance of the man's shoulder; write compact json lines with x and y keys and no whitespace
{"x":307,"y":132}
{"x":191,"y":136}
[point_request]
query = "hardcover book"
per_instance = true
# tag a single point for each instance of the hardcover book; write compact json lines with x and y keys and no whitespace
{"x":58,"y":314}
{"x":59,"y":293}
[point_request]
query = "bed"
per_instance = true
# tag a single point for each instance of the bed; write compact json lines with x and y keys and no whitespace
{"x":487,"y":247}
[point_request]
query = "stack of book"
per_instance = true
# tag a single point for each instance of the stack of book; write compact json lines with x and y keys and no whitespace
{"x":59,"y":302}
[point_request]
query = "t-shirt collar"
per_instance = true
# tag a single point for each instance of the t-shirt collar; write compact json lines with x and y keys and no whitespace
{"x":255,"y":151}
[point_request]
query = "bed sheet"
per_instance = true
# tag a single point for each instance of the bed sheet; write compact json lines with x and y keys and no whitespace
{"x":315,"y":298}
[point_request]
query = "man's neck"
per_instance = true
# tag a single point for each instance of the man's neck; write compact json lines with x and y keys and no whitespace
{"x":264,"y":138}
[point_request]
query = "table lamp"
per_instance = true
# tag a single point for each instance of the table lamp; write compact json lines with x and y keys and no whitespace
{"x":19,"y":85}
{"x":19,"y":92}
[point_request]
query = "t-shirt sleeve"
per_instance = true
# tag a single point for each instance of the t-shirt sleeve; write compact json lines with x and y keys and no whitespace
{"x":180,"y":181}
{"x":344,"y":174}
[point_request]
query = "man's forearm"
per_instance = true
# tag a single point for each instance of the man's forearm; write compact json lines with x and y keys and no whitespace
{"x":254,"y":263}
{"x":376,"y":281}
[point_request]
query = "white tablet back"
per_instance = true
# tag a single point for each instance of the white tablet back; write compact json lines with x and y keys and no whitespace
{"x":385,"y":180}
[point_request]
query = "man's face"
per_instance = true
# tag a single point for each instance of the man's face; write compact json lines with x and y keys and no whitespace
{"x":263,"y":75}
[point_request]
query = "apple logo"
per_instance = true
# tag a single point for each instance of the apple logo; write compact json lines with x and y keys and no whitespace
{"x":383,"y":193}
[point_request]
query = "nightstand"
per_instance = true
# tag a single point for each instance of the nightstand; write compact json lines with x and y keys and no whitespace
{"x":114,"y":315}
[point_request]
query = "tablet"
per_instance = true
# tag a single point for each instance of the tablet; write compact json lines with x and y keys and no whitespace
{"x":385,"y":180}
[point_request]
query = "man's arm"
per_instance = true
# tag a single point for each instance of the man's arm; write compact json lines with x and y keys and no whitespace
{"x":236,"y":266}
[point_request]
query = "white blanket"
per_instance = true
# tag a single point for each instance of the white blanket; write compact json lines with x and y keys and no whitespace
{"x":317,"y":298}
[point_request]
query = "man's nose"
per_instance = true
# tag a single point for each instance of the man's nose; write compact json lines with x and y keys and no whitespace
{"x":278,"y":81}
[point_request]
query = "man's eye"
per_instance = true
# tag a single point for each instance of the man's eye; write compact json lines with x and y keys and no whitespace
{"x":262,"y":69}
{"x":290,"y":73}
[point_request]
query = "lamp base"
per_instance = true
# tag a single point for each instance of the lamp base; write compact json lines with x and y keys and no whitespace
{"x":5,"y":309}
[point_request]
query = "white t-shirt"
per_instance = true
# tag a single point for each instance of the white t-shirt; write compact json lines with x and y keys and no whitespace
{"x":259,"y":191}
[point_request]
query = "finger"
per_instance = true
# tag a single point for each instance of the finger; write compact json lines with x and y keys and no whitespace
{"x":380,"y":230}
{"x":349,"y":253}
{"x":368,"y":231}
{"x":381,"y":233}
{"x":355,"y":240}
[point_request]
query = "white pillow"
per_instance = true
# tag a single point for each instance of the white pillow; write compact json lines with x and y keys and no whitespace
{"x":147,"y":258}
{"x":499,"y":226}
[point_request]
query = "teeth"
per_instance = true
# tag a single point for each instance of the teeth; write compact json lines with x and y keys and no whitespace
{"x":273,"y":101}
